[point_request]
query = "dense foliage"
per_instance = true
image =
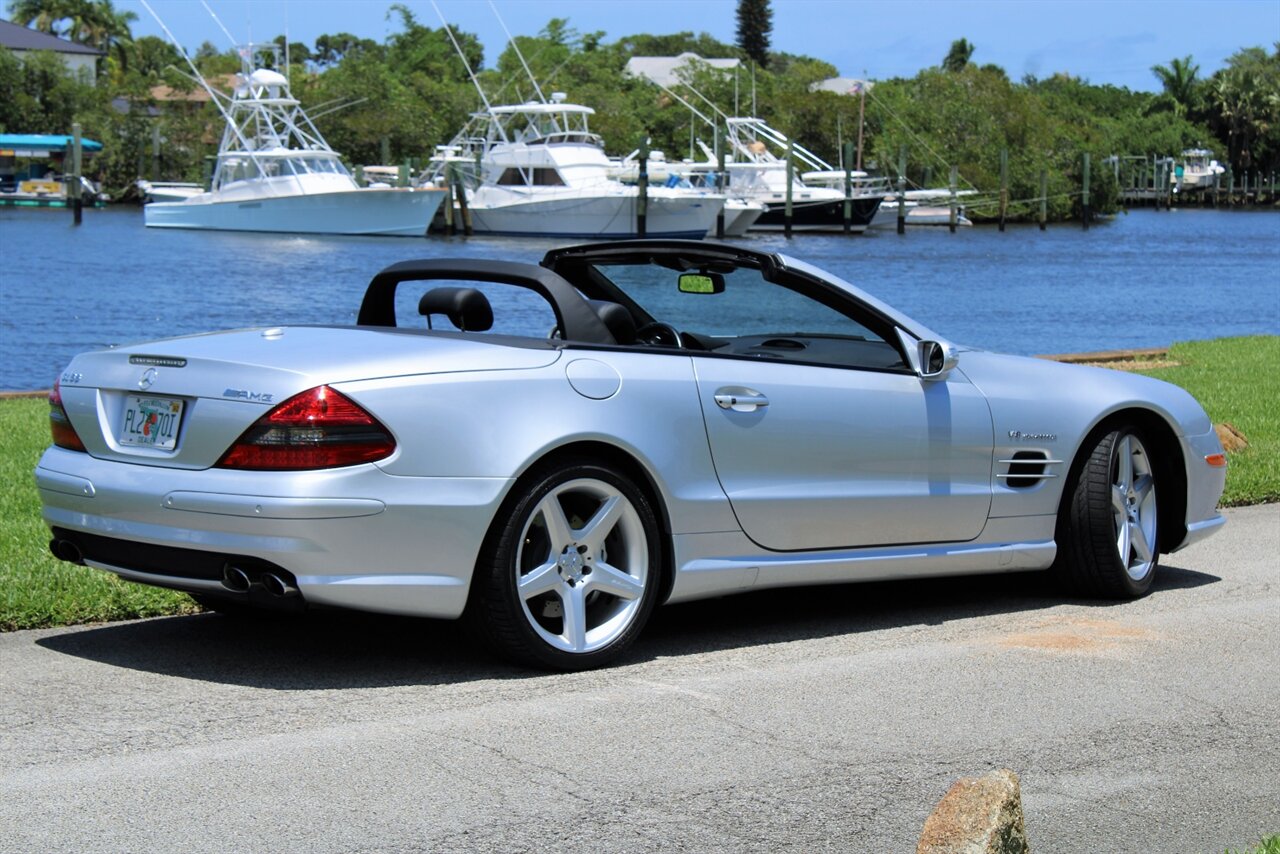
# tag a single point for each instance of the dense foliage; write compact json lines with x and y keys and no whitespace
{"x":396,"y":100}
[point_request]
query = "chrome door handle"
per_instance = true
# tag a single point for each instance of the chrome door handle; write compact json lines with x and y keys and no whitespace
{"x":740,"y":400}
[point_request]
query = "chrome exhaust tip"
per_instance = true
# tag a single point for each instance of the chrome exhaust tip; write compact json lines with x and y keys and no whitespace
{"x":235,"y":579}
{"x":66,"y":550}
{"x":277,"y":586}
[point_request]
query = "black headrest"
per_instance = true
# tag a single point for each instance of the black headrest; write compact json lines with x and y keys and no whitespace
{"x":467,"y":308}
{"x":616,"y":318}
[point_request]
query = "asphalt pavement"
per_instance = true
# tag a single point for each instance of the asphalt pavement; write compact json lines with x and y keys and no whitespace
{"x":819,"y":719}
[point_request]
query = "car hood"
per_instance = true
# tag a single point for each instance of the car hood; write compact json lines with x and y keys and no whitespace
{"x":267,"y":365}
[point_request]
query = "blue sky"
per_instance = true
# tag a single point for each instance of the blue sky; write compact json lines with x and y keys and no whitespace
{"x":1104,"y":41}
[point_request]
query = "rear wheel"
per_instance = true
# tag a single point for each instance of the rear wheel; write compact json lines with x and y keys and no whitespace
{"x":569,"y":579}
{"x":1108,"y":532}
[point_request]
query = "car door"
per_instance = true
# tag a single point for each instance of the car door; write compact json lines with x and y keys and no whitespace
{"x":822,"y":457}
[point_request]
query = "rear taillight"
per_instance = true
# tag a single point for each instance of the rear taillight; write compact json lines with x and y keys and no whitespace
{"x":317,"y":429}
{"x":64,"y":435}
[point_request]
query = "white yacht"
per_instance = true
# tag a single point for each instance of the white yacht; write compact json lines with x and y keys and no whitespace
{"x":542,"y":172}
{"x":166,"y":191}
{"x":692,"y":177}
{"x":276,"y":173}
{"x":1197,"y":171}
{"x":758,"y":172}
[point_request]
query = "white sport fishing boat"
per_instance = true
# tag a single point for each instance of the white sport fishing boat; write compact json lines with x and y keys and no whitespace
{"x":1197,"y":170}
{"x":542,"y":172}
{"x":276,"y":173}
{"x":691,"y":177}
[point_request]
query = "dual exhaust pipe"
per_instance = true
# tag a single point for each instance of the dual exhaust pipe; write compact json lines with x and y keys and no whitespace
{"x":238,"y":580}
{"x":234,"y":578}
{"x":66,"y":550}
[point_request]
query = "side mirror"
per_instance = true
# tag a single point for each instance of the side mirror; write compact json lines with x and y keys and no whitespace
{"x":701,"y":283}
{"x":936,"y":359}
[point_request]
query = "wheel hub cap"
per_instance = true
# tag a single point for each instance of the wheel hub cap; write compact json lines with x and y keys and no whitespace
{"x":572,"y":565}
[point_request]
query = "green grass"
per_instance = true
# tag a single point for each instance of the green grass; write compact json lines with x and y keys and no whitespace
{"x":1266,"y":845}
{"x":35,"y":589}
{"x":1236,"y":379}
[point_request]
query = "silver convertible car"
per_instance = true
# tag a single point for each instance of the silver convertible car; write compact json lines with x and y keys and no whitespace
{"x":550,"y":451}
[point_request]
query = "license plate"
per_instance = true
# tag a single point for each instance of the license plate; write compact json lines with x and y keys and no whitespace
{"x":151,"y":422}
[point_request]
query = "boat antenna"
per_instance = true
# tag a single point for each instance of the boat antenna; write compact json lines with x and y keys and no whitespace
{"x":511,"y":41}
{"x":449,"y":32}
{"x":225,"y":31}
{"x":286,"y":44}
{"x":213,"y":95}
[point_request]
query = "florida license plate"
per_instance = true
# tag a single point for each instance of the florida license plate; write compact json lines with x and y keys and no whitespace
{"x":151,"y":422}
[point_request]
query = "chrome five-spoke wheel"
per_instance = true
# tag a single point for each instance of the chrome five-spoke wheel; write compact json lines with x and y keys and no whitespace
{"x":1108,"y":529}
{"x":573,"y":574}
{"x":1133,"y":506}
{"x":582,"y":566}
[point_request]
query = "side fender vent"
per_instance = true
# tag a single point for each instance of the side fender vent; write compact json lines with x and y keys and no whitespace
{"x":1026,"y":469}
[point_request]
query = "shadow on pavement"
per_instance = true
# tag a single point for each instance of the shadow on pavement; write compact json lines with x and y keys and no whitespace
{"x":336,"y":650}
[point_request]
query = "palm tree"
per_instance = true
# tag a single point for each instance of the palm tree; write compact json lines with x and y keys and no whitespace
{"x":42,"y":15}
{"x":1178,"y":79}
{"x":958,"y":56}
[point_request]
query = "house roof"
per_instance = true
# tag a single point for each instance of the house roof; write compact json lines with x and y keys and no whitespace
{"x":196,"y":94}
{"x":17,"y":37}
{"x":662,"y":69}
{"x":842,"y":85}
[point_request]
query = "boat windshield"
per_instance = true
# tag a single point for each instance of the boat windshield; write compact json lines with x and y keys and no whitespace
{"x":246,"y":168}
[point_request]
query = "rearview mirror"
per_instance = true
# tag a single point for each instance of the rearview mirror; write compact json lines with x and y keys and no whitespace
{"x":936,"y":359}
{"x":701,"y":283}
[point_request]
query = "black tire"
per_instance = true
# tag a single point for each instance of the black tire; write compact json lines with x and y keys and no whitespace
{"x":1108,"y":532}
{"x":571,"y":584}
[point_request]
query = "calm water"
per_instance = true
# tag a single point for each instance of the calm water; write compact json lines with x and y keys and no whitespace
{"x":1145,"y":280}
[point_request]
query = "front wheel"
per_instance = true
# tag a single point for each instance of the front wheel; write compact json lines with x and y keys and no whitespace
{"x":1108,"y":532}
{"x":571,"y":573}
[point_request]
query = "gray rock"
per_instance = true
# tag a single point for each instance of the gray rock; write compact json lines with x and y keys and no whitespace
{"x":977,"y":815}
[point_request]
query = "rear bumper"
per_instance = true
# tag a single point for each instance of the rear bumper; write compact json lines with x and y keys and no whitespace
{"x":353,"y":537}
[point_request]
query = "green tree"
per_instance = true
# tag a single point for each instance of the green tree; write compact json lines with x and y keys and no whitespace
{"x":1178,"y":80}
{"x":958,"y":56}
{"x":755,"y":24}
{"x":1245,"y":99}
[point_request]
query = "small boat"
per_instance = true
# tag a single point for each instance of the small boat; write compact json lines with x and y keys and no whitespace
{"x":166,"y":191}
{"x":758,"y":172}
{"x":1197,"y":171}
{"x":542,"y":172}
{"x":32,"y":167}
{"x":276,"y":173}
{"x":740,"y":214}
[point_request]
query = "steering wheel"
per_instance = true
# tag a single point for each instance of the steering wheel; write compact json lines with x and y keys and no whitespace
{"x":659,"y":334}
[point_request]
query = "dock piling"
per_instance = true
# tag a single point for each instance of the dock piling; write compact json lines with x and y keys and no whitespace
{"x":902,"y":189}
{"x":1084,"y":194}
{"x":955,"y":175}
{"x":77,"y":199}
{"x":720,"y":180}
{"x":847,"y":213}
{"x":642,"y":184}
{"x":1004,"y":186}
{"x":791,"y":177}
{"x":1044,"y":198}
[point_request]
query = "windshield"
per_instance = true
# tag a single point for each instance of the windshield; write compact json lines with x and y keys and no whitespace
{"x":748,"y":305}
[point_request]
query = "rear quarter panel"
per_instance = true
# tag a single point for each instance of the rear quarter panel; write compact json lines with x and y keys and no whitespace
{"x":499,"y":423}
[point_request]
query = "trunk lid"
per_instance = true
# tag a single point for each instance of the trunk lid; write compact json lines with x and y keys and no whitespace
{"x":214,"y":386}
